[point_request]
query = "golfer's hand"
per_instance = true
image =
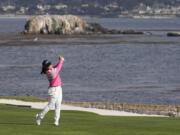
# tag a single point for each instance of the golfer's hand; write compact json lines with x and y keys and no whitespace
{"x":61,"y":58}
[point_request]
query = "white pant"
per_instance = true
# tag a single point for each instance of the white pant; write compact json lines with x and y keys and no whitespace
{"x":55,"y":99}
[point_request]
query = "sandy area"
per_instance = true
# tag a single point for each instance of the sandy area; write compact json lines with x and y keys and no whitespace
{"x":41,"y":105}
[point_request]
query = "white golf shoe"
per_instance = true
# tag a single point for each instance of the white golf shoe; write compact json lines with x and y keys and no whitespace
{"x":56,"y":123}
{"x":38,"y":119}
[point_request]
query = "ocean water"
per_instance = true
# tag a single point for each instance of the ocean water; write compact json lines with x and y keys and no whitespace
{"x":132,"y":72}
{"x":16,"y":25}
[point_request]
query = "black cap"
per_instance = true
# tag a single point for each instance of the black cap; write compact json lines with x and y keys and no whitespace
{"x":46,"y":63}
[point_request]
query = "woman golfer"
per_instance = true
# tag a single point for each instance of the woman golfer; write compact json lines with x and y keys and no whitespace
{"x":54,"y":91}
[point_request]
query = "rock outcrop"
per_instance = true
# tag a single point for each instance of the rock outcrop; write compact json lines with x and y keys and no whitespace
{"x":54,"y":24}
{"x":166,"y":110}
{"x":67,"y":25}
{"x":173,"y":34}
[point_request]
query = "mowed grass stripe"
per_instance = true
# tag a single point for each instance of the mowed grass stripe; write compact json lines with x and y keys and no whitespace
{"x":21,"y":121}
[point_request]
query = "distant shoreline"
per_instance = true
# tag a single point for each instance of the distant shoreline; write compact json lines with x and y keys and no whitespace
{"x":154,"y":17}
{"x":15,"y":16}
{"x":120,"y":16}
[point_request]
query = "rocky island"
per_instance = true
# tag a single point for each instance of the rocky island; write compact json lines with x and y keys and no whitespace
{"x":67,"y":25}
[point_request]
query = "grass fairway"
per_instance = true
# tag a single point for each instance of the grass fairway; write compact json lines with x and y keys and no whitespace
{"x":21,"y":121}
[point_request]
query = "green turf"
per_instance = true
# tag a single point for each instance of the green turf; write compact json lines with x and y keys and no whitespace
{"x":21,"y":121}
{"x":24,"y":98}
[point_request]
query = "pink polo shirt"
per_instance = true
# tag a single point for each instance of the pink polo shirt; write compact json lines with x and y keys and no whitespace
{"x":53,"y":75}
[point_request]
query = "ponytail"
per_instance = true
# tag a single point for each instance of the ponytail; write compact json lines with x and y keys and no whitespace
{"x":43,"y":71}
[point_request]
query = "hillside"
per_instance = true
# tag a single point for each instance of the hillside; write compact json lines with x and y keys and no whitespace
{"x":103,"y":8}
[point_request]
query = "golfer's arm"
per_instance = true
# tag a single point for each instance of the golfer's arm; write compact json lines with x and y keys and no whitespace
{"x":59,"y":65}
{"x":56,"y":64}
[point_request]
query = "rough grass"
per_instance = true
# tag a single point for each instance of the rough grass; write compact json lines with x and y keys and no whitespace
{"x":24,"y":98}
{"x":21,"y":121}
